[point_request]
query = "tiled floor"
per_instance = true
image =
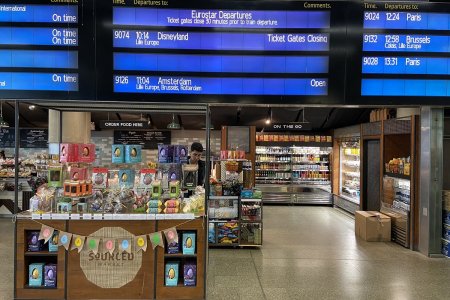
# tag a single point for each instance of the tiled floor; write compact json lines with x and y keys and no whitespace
{"x":308,"y":253}
{"x":312,"y":253}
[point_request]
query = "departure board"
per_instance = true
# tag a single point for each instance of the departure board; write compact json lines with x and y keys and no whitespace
{"x":212,"y":48}
{"x":41,"y":49}
{"x":405,"y":52}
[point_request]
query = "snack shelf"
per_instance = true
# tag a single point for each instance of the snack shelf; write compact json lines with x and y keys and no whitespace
{"x":396,"y":175}
{"x":273,"y":161}
{"x":39,"y":287}
{"x":41,"y":253}
{"x":180,"y":255}
{"x":273,"y":170}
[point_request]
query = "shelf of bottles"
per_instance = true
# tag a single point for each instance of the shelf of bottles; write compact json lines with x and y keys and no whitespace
{"x":350,"y":170}
{"x":293,"y":164}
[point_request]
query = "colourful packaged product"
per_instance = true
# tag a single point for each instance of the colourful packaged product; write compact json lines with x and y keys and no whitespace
{"x":68,"y":152}
{"x":153,"y":210}
{"x":86,"y":153}
{"x":34,"y":244}
{"x":174,"y":189}
{"x":100,"y":178}
{"x":165,"y":153}
{"x":445,"y":247}
{"x":35,"y":272}
{"x":133,"y":154}
{"x":211,"y":233}
{"x":50,"y":275}
{"x":173,"y":248}
{"x":78,"y":174}
{"x":189,"y":243}
{"x":171,"y":273}
{"x":64,"y":207}
{"x":53,"y":242}
{"x":126,"y":178}
{"x":154,"y":203}
{"x":55,"y":177}
{"x":446,"y":231}
{"x":446,"y":217}
{"x":190,"y":274}
{"x":146,"y":178}
{"x":118,"y":154}
{"x":247,"y":194}
{"x":172,"y":203}
{"x":180,"y":154}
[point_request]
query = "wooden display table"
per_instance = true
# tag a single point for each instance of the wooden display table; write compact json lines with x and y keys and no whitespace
{"x":149,"y":280}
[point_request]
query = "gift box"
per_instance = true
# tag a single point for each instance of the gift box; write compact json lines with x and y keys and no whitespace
{"x":78,"y":174}
{"x":100,"y":178}
{"x":165,"y":153}
{"x":189,"y":243}
{"x":68,"y":152}
{"x":171,"y":273}
{"x":126,"y":178}
{"x":133,"y":154}
{"x":173,"y":248}
{"x":174,"y":189}
{"x":180,"y":154}
{"x":118,"y":154}
{"x":50,"y":275}
{"x":86,"y":153}
{"x":34,"y":244}
{"x":147,"y":176}
{"x":190,"y":274}
{"x":55,"y":177}
{"x":156,"y":189}
{"x":35,"y":272}
{"x":75,"y":189}
{"x":64,"y":207}
{"x":53,"y":242}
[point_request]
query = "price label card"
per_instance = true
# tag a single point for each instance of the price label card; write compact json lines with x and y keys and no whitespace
{"x":35,"y":216}
{"x":97,"y":216}
{"x":74,"y":216}
{"x":86,"y":216}
{"x":108,"y":217}
{"x":138,"y":217}
{"x":60,"y":216}
{"x":185,"y":216}
{"x":151,"y":217}
{"x":160,"y":217}
{"x":46,"y":216}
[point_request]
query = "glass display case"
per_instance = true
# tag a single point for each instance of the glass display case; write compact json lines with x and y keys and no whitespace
{"x":349,"y":179}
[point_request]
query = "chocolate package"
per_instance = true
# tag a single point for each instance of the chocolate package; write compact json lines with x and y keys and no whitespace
{"x":146,"y":178}
{"x":50,"y":275}
{"x":171,"y":273}
{"x":190,"y":274}
{"x":189,"y":243}
{"x":34,"y":244}
{"x":126,"y":178}
{"x":118,"y":154}
{"x":35,"y":271}
{"x":173,"y":248}
{"x":100,"y":178}
{"x":86,"y":153}
{"x":68,"y":152}
{"x":53,"y":242}
{"x":78,"y":174}
{"x":165,"y":153}
{"x":133,"y":154}
{"x":180,"y":154}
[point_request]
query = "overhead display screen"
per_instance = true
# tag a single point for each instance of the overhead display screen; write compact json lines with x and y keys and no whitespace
{"x":41,"y":50}
{"x":162,"y":48}
{"x":404,"y":54}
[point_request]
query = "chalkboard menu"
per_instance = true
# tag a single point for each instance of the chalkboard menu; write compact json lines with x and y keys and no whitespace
{"x":29,"y":138}
{"x":7,"y":137}
{"x":33,"y":138}
{"x":148,"y":139}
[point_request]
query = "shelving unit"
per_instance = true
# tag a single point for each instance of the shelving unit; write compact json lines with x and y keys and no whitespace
{"x":350,"y":171}
{"x":294,"y":174}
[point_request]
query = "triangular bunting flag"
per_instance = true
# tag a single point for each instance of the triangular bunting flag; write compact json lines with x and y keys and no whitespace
{"x":109,"y":245}
{"x":141,"y":243}
{"x":78,"y":242}
{"x":93,"y":244}
{"x":156,"y":239}
{"x":125,"y":245}
{"x":46,"y":233}
{"x":64,"y":239}
{"x":171,"y":235}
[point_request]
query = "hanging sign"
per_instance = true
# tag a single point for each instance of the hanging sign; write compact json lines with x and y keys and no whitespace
{"x":132,"y":125}
{"x":298,"y":126}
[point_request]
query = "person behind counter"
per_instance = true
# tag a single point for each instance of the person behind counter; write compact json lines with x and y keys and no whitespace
{"x":195,"y":159}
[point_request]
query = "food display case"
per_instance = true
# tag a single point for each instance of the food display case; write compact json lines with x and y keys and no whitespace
{"x":349,"y":177}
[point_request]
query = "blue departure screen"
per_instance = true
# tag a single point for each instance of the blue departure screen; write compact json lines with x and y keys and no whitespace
{"x":215,"y":18}
{"x":220,"y":63}
{"x":220,"y":46}
{"x":224,"y":86}
{"x":403,"y":44}
{"x":46,"y":45}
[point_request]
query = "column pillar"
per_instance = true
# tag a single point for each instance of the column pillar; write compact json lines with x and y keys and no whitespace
{"x":76,"y":127}
{"x":54,"y":126}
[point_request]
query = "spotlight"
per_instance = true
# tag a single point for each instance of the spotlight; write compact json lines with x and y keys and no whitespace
{"x":269,"y":117}
{"x":32,"y":107}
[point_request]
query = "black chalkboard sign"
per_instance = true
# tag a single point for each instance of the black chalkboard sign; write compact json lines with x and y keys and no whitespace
{"x":148,"y":139}
{"x":7,"y":137}
{"x":33,"y":138}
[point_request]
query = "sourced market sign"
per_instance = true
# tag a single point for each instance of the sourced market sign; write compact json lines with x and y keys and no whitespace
{"x":111,"y":270}
{"x":302,"y":126}
{"x":148,"y":139}
{"x":124,"y":125}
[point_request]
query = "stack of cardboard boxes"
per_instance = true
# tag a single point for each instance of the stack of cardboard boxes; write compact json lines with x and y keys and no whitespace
{"x":373,"y":226}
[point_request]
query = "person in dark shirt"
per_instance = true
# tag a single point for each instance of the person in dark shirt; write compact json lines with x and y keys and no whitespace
{"x":195,"y":159}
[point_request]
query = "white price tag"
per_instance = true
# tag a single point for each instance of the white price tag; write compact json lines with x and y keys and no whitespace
{"x":160,"y":217}
{"x":46,"y":216}
{"x":35,"y":216}
{"x":97,"y":216}
{"x":108,"y":217}
{"x":151,"y":217}
{"x":86,"y":216}
{"x":74,"y":216}
{"x":60,"y":216}
{"x":185,"y":216}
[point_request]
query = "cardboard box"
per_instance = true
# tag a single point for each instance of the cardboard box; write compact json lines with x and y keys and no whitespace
{"x":373,"y":226}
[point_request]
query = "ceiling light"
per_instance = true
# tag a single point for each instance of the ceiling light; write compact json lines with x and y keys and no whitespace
{"x":3,"y":123}
{"x":269,"y":117}
{"x":32,"y":107}
{"x":173,"y":124}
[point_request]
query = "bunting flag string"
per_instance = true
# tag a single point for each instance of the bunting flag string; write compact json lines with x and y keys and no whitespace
{"x":97,"y":244}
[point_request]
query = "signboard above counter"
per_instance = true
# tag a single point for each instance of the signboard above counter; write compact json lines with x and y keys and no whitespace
{"x":148,"y":139}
